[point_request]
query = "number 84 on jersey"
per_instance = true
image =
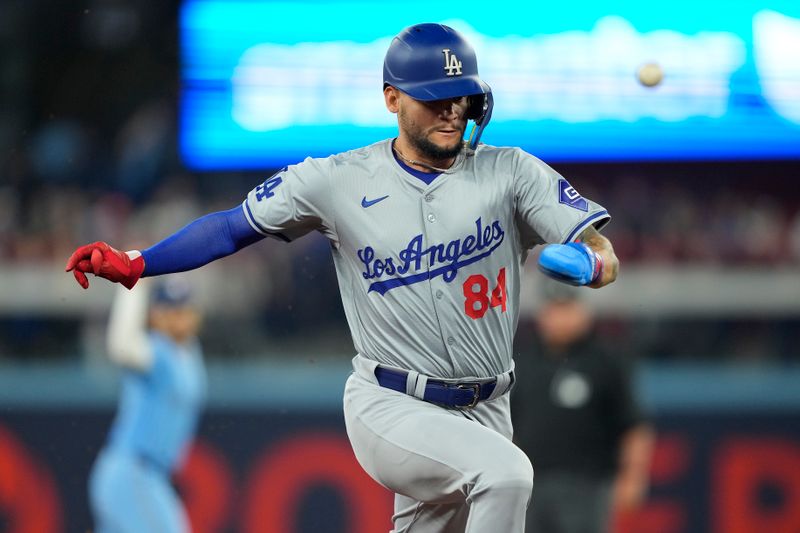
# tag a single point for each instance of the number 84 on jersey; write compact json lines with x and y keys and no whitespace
{"x":477,"y":297}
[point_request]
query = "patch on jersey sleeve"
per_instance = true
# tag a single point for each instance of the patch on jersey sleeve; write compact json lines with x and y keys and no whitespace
{"x":265,"y":189}
{"x":569,"y":196}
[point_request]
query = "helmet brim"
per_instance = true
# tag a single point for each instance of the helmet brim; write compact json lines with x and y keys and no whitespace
{"x":427,"y":91}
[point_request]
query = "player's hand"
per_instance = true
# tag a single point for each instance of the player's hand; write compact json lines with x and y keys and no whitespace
{"x":574,"y":263}
{"x":102,"y":260}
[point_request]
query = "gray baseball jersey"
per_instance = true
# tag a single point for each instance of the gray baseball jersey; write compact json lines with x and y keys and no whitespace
{"x":429,"y":274}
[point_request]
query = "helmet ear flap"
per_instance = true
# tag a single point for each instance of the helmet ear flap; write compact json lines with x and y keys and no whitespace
{"x":487,"y":103}
{"x":476,"y":107}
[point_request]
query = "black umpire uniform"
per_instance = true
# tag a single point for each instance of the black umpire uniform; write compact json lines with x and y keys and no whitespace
{"x":570,"y":408}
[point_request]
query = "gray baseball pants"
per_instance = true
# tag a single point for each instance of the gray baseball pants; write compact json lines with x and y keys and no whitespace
{"x":452,"y":470}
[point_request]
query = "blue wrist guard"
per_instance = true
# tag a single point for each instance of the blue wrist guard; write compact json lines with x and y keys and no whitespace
{"x":574,"y":263}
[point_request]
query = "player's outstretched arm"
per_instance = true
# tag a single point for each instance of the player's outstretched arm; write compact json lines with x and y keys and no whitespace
{"x":126,"y":337}
{"x":589,"y":261}
{"x":202,"y":241}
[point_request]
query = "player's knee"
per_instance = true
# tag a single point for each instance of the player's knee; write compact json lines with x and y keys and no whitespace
{"x":512,"y":472}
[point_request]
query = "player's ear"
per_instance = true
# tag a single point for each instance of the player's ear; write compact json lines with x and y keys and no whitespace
{"x":392,"y":98}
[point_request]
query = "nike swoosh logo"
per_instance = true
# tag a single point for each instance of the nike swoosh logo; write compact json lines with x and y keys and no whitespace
{"x":366,"y":203}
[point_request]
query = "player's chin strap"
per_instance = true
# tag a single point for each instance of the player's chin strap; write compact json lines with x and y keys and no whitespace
{"x":481,"y":122}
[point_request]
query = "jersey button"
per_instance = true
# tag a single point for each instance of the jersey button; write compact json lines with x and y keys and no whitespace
{"x":431,"y":217}
{"x":429,"y":198}
{"x":451,"y":341}
{"x":439,"y":295}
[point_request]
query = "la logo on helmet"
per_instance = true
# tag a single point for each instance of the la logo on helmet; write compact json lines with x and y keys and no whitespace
{"x":451,"y":63}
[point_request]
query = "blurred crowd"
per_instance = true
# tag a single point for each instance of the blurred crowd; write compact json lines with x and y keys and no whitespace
{"x":678,"y":222}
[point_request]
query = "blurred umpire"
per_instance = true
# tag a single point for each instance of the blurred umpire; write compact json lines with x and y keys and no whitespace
{"x":576,"y":416}
{"x":163,"y":388}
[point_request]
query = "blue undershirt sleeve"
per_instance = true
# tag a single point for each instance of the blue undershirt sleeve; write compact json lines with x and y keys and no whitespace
{"x":206,"y":239}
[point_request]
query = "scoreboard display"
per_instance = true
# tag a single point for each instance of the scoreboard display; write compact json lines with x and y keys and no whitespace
{"x":267,"y":83}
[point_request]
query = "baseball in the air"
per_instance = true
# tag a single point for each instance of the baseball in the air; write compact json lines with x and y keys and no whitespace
{"x":650,"y":74}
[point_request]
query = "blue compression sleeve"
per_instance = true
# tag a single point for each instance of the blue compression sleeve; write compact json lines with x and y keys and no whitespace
{"x":202,"y":241}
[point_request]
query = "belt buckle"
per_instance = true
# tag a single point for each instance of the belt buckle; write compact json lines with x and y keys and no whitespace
{"x":476,"y":394}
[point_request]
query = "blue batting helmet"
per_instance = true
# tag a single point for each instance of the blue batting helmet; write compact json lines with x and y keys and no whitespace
{"x":434,"y":62}
{"x":173,"y":291}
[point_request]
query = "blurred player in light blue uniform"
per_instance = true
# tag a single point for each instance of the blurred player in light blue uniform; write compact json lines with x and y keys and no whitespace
{"x":163,"y":388}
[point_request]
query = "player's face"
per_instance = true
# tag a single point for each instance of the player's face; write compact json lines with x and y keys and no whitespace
{"x":435,"y":130}
{"x":560,"y":323}
{"x":178,"y":323}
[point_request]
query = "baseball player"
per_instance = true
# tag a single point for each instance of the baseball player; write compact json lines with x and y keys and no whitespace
{"x":429,"y":234}
{"x":163,"y":387}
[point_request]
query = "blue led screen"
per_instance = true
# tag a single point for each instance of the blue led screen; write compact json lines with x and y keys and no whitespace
{"x":266,"y":83}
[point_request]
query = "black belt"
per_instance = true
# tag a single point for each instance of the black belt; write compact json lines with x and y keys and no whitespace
{"x":464,"y":394}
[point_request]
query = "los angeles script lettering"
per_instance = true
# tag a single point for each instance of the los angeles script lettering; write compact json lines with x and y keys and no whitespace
{"x":413,"y":257}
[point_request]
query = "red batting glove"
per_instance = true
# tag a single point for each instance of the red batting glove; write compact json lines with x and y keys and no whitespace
{"x":102,"y":260}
